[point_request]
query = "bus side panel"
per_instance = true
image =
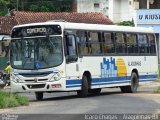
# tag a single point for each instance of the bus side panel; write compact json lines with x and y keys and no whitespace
{"x":106,"y":71}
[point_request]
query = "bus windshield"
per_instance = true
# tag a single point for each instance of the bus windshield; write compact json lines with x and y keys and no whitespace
{"x":36,"y":53}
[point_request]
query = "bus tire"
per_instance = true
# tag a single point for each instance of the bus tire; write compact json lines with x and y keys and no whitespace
{"x":84,"y":88}
{"x":134,"y":85}
{"x":39,"y":95}
{"x":95,"y":91}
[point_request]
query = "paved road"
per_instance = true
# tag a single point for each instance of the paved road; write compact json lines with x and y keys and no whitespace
{"x":110,"y":101}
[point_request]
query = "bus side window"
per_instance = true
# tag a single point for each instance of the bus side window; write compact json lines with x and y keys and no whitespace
{"x":94,"y":43}
{"x":120,"y":43}
{"x":71,"y":52}
{"x":108,"y":45}
{"x":152,"y":44}
{"x":142,"y":43}
{"x":131,"y":43}
{"x":82,"y":39}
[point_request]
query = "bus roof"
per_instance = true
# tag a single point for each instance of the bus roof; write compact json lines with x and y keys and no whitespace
{"x":86,"y":26}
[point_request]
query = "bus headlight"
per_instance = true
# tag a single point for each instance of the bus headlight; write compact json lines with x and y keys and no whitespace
{"x":17,"y":79}
{"x":55,"y":77}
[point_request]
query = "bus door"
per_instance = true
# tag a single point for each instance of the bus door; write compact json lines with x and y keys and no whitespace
{"x":72,"y":66}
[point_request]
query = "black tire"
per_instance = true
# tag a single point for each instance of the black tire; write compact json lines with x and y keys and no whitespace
{"x":134,"y":85}
{"x":39,"y":95}
{"x":95,"y":91}
{"x":84,"y":88}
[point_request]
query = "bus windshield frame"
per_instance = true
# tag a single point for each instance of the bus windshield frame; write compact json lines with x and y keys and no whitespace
{"x":36,"y":52}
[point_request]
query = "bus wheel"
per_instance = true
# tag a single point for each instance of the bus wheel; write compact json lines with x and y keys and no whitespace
{"x":84,"y":88}
{"x":39,"y":95}
{"x":134,"y":85}
{"x":95,"y":91}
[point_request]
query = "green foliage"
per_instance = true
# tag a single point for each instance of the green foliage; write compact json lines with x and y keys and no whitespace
{"x":22,"y":100}
{"x":126,"y":23}
{"x":36,"y":6}
{"x":157,"y":90}
{"x":48,"y":6}
{"x":12,"y":100}
{"x":4,"y":6}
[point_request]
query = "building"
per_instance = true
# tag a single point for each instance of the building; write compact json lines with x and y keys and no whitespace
{"x":147,"y":14}
{"x":116,"y":10}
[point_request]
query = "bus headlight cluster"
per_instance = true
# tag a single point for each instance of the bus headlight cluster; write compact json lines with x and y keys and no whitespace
{"x":55,"y":77}
{"x":17,"y":79}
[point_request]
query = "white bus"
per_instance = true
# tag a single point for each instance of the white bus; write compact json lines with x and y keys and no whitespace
{"x":62,"y":56}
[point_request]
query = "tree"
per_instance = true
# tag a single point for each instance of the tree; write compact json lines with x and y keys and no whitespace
{"x":51,"y":6}
{"x":5,"y":5}
{"x":35,"y":6}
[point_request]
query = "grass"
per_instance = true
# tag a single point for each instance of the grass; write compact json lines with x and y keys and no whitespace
{"x":8,"y":100}
{"x":158,"y":80}
{"x":157,"y":90}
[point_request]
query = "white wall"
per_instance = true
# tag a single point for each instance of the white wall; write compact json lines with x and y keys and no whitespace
{"x":88,"y":6}
{"x":121,"y":10}
{"x":116,"y":10}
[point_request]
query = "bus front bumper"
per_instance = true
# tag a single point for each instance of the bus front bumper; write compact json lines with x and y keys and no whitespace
{"x":35,"y":87}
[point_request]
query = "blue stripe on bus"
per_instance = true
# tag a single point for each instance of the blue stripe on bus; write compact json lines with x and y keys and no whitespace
{"x":147,"y":80}
{"x":148,"y":76}
{"x":73,"y":86}
{"x":108,"y":83}
{"x":111,"y":80}
{"x":72,"y":82}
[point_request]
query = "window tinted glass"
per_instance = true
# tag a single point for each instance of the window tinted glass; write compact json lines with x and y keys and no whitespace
{"x":132,"y":45}
{"x":120,"y":43}
{"x":71,"y":52}
{"x":82,"y":42}
{"x":109,"y":46}
{"x":152,"y":44}
{"x":143,"y":43}
{"x":36,"y":53}
{"x":94,"y":43}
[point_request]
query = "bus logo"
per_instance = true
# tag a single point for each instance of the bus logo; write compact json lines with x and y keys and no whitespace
{"x":35,"y":80}
{"x":113,"y":68}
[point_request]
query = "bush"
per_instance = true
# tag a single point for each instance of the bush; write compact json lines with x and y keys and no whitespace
{"x":12,"y":100}
{"x":157,"y":90}
{"x":126,"y":23}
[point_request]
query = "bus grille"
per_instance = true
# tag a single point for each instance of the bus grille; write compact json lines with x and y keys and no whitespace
{"x":43,"y":75}
{"x":36,"y":86}
{"x":32,"y":80}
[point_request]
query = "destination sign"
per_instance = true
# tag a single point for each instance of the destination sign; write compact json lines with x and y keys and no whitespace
{"x":36,"y":30}
{"x":40,"y":30}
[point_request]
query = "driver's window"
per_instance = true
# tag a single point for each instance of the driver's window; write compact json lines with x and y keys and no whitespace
{"x":71,"y":53}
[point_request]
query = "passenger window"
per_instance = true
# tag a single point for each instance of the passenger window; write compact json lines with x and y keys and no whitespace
{"x":108,"y":45}
{"x":94,"y":43}
{"x":132,"y":45}
{"x":142,"y":43}
{"x":120,"y":43}
{"x":152,"y":44}
{"x":82,"y":42}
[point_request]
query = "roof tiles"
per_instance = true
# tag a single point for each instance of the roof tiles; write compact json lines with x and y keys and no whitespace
{"x":6,"y":23}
